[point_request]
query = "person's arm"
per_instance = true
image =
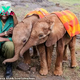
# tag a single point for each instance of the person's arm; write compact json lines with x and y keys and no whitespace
{"x":3,"y":39}
{"x":2,"y":34}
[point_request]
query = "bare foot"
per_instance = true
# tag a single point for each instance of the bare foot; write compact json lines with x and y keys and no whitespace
{"x":58,"y":72}
{"x":43,"y":71}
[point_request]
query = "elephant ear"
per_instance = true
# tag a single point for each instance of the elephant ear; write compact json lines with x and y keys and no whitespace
{"x":57,"y":32}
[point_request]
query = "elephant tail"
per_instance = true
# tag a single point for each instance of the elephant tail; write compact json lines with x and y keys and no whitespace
{"x":15,"y":58}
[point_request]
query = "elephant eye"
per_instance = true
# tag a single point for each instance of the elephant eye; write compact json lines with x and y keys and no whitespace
{"x":24,"y":40}
{"x":40,"y":35}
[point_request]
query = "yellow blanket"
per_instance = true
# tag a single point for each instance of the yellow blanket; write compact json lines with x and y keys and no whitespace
{"x":69,"y":21}
{"x":40,"y":12}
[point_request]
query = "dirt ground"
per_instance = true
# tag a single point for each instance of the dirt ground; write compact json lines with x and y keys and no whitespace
{"x":68,"y":73}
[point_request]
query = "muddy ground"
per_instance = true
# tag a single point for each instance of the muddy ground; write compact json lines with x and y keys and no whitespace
{"x":23,"y":8}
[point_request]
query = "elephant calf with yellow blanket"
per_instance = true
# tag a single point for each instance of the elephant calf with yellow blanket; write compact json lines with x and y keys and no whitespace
{"x":21,"y":34}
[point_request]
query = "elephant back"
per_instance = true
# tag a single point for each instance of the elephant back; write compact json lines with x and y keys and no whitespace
{"x":69,"y":21}
{"x":40,"y":12}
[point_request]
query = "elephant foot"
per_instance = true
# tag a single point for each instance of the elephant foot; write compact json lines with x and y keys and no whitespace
{"x":43,"y":72}
{"x":74,"y":65}
{"x":58,"y":72}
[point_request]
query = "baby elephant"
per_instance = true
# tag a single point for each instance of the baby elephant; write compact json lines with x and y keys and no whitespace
{"x":21,"y":34}
{"x":51,"y":30}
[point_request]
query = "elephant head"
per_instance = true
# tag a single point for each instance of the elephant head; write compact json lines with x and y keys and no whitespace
{"x":48,"y":29}
{"x":21,"y":35}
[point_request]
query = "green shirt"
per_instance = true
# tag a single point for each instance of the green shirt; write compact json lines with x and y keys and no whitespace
{"x":9,"y":23}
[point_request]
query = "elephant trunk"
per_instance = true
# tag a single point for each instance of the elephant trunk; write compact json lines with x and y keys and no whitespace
{"x":29,"y":44}
{"x":15,"y":58}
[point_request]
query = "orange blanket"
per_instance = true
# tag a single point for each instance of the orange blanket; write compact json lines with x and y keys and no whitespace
{"x":40,"y":12}
{"x":69,"y":21}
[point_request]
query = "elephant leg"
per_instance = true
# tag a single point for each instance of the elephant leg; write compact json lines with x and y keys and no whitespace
{"x":27,"y":58}
{"x":49,"y":51}
{"x":43,"y":62}
{"x":72,"y":51}
{"x":58,"y":64}
{"x":35,"y":55}
{"x":65,"y":53}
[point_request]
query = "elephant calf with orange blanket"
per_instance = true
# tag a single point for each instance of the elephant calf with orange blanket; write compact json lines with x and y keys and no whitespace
{"x":51,"y":30}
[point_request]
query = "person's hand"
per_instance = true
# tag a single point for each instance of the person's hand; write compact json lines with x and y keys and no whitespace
{"x":10,"y":31}
{"x":3,"y":39}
